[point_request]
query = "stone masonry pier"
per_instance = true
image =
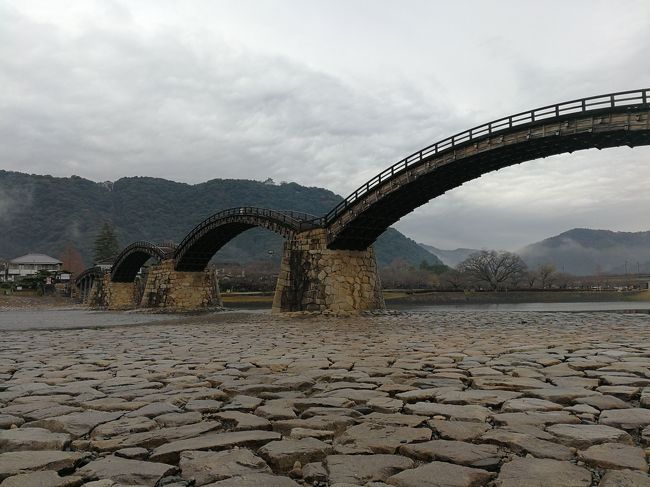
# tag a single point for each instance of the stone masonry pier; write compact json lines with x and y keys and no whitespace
{"x":165,"y":288}
{"x":315,"y":278}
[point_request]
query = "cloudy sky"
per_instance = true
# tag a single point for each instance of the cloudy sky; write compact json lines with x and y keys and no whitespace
{"x":326,"y":93}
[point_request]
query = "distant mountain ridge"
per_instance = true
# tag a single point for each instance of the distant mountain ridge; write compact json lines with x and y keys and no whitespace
{"x":43,"y":213}
{"x":583,"y":251}
{"x":580,"y":251}
{"x":450,"y":258}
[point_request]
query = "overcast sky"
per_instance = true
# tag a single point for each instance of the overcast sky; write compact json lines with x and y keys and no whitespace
{"x":326,"y":93}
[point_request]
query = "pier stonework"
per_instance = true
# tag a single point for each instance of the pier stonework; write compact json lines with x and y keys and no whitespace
{"x":113,"y":295}
{"x":315,"y":278}
{"x":177,"y":290}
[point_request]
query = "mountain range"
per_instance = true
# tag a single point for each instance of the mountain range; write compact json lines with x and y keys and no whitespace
{"x":580,"y":251}
{"x":44,"y":213}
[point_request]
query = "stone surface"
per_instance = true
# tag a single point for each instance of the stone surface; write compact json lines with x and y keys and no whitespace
{"x":282,"y":455}
{"x":126,"y":471}
{"x":624,"y":478}
{"x":382,"y":438}
{"x":13,"y":463}
{"x":77,"y":424}
{"x":205,"y":467}
{"x":616,"y":456}
{"x":8,"y":420}
{"x":524,"y":443}
{"x":170,"y":452}
{"x":534,"y":472}
{"x":47,"y":478}
{"x":440,"y":474}
{"x":359,"y":469}
{"x":628,"y":419}
{"x":584,"y":435}
{"x":256,"y":480}
{"x":333,"y":280}
{"x":32,"y":439}
{"x":459,"y":452}
{"x":341,"y":377}
{"x":457,"y":430}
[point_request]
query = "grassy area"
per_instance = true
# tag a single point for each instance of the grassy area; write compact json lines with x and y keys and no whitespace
{"x":246,"y":298}
{"x":642,"y":296}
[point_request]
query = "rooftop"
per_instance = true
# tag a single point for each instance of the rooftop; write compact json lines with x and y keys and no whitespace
{"x":35,"y":259}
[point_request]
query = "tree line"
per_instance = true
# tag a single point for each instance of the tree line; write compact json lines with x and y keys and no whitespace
{"x":484,"y":270}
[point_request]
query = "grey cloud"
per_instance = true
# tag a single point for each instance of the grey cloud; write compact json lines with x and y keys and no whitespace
{"x":106,"y":98}
{"x":115,"y":102}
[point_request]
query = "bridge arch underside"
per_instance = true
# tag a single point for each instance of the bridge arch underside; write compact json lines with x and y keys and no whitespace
{"x":357,"y":227}
{"x":195,"y":254}
{"x":127,"y":266}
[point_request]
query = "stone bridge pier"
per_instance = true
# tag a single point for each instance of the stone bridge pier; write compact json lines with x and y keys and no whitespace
{"x":165,"y":288}
{"x":315,"y":278}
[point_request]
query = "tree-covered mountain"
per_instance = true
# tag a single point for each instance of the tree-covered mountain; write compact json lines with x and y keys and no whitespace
{"x":450,"y":258}
{"x":583,"y":251}
{"x":45,"y":213}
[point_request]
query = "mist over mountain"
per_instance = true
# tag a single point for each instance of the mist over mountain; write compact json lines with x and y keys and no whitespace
{"x":44,"y":213}
{"x":450,"y":258}
{"x":583,"y":251}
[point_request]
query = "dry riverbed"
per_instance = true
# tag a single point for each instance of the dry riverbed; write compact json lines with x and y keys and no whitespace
{"x":453,"y":399}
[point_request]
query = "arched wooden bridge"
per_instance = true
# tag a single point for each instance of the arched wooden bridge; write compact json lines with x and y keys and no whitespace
{"x":615,"y":119}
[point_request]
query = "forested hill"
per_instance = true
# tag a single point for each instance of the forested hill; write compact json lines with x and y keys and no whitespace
{"x":44,"y":213}
{"x":583,"y":251}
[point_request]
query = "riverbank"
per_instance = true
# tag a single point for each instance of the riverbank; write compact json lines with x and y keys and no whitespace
{"x":430,"y":298}
{"x":239,"y":399}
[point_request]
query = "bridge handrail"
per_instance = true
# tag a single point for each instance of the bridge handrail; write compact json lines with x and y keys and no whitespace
{"x":299,"y":220}
{"x":582,"y":105}
{"x":94,"y":270}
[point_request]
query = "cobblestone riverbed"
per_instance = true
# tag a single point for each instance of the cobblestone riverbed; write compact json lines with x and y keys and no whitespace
{"x":453,"y":399}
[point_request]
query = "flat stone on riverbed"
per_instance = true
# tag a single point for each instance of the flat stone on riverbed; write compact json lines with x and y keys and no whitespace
{"x":169,"y":453}
{"x":47,"y":478}
{"x":256,"y":480}
{"x":359,"y":469}
{"x":457,"y":412}
{"x":32,"y":439}
{"x":524,"y":443}
{"x":282,"y":455}
{"x":382,"y":438}
{"x":459,"y":452}
{"x":205,"y":467}
{"x":615,"y":455}
{"x":440,"y":474}
{"x":537,"y":472}
{"x":585,"y":435}
{"x":458,"y":430}
{"x":13,"y":463}
{"x":7,"y":421}
{"x":627,"y":419}
{"x":77,"y":424}
{"x":624,"y":478}
{"x":130,"y":472}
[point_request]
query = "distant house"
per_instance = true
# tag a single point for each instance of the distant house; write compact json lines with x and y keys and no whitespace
{"x":29,"y":265}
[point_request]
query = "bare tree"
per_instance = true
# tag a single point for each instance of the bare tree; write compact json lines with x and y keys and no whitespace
{"x":531,"y":278}
{"x":546,"y":273}
{"x":453,"y":279}
{"x":493,"y":268}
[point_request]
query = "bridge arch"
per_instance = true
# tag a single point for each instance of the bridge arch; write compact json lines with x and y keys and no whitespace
{"x":205,"y":240}
{"x":133,"y":257}
{"x":611,"y":120}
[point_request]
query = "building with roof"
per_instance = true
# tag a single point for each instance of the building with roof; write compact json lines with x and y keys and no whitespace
{"x":29,"y":265}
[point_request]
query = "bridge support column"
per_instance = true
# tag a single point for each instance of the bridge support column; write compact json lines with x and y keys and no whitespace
{"x":181,"y":291}
{"x":315,"y":278}
{"x":113,"y":295}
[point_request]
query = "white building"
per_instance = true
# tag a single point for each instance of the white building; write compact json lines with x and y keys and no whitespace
{"x":29,"y":265}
